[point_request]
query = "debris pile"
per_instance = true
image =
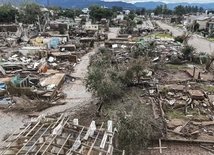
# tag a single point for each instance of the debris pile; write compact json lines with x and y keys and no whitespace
{"x":61,"y":135}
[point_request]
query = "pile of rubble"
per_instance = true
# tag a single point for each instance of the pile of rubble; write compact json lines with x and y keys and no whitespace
{"x":38,"y":68}
{"x":61,"y":135}
{"x":183,"y":97}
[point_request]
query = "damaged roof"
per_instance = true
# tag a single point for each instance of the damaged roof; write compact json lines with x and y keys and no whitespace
{"x":60,"y":135}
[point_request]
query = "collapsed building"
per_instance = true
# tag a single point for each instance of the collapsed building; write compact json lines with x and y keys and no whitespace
{"x":61,"y":135}
{"x":42,"y":63}
{"x":182,"y":97}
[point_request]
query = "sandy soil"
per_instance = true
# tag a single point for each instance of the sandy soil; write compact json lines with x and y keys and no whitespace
{"x":197,"y":41}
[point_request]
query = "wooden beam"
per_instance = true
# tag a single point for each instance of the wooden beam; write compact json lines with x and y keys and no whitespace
{"x":160,"y":147}
{"x":29,"y":139}
{"x":3,"y":151}
{"x":103,"y":142}
{"x":123,"y":152}
{"x":63,"y":144}
{"x":89,"y":152}
{"x":70,"y":150}
{"x":51,"y":138}
{"x":38,"y":139}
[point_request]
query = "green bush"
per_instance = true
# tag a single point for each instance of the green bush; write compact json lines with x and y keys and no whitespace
{"x":61,"y":30}
{"x":188,"y":52}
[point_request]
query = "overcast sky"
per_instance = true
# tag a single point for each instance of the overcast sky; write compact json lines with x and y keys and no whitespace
{"x":166,"y":1}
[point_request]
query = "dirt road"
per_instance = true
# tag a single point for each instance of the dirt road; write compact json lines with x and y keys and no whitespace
{"x":197,"y":41}
{"x":77,"y":96}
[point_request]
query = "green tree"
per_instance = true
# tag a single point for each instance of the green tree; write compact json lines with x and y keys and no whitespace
{"x":8,"y":13}
{"x":137,"y":129}
{"x":138,"y":11}
{"x":78,"y":12}
{"x":158,"y":10}
{"x":188,"y":52}
{"x":131,"y":16}
{"x":165,"y":9}
{"x":102,"y":80}
{"x":97,"y":13}
{"x":179,"y":10}
{"x":70,"y":13}
{"x":196,"y":26}
{"x":29,"y":13}
{"x":117,"y":8}
{"x":201,"y":9}
{"x":195,"y":9}
{"x":143,"y":11}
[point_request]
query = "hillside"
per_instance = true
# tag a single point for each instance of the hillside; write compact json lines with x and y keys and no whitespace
{"x":86,"y":3}
{"x":153,"y":5}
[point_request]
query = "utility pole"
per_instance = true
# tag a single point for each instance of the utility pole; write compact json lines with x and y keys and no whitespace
{"x":48,"y":3}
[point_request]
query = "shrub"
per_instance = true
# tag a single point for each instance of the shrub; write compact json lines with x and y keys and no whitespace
{"x":61,"y":30}
{"x":139,"y":22}
{"x":188,"y":52}
{"x":183,"y":38}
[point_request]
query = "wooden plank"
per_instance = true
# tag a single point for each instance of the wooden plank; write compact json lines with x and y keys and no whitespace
{"x":159,"y":148}
{"x":2,"y":70}
{"x":211,"y":150}
{"x":38,"y":139}
{"x":75,"y":141}
{"x":64,"y":144}
{"x":29,"y":139}
{"x":103,"y":142}
{"x":89,"y":152}
{"x":45,"y":132}
{"x":2,"y":152}
{"x":123,"y":152}
{"x":88,"y":132}
{"x":53,"y":138}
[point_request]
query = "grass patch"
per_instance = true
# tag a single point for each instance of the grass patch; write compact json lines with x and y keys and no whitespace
{"x":177,"y":67}
{"x":136,"y":39}
{"x":197,"y":116}
{"x":159,"y":35}
{"x":176,"y":25}
{"x":210,"y":39}
{"x":174,"y":114}
{"x":204,"y":87}
{"x":207,"y":88}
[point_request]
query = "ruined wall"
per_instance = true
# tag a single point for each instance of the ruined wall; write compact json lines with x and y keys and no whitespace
{"x":19,"y":91}
{"x":10,"y":28}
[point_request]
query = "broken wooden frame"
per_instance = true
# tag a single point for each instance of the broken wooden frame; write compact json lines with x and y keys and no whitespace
{"x":48,"y":135}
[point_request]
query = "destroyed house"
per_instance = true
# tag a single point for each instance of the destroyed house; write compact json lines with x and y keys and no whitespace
{"x":8,"y":27}
{"x":58,"y":25}
{"x":61,"y":136}
{"x":19,"y":81}
{"x":91,"y":27}
{"x":52,"y":84}
{"x":67,"y":48}
{"x":20,"y":85}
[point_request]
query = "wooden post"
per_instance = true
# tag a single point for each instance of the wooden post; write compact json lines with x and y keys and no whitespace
{"x":160,"y":147}
{"x":193,"y":72}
